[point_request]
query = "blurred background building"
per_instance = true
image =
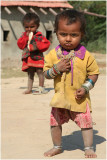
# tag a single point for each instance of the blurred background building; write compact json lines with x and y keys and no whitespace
{"x":12,"y":13}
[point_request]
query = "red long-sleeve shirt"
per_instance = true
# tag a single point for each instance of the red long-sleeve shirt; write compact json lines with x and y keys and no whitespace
{"x":32,"y":56}
{"x":42,"y":44}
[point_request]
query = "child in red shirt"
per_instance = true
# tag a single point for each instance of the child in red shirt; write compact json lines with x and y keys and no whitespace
{"x":33,"y":44}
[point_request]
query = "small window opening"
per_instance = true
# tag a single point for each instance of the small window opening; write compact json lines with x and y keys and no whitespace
{"x":49,"y":35}
{"x":5,"y":35}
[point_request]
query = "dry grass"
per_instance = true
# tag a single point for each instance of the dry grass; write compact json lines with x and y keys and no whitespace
{"x":12,"y":72}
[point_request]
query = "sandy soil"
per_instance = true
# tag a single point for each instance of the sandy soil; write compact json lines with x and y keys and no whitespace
{"x":25,"y":122}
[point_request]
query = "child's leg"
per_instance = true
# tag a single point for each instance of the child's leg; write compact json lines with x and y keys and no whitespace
{"x":41,"y":89}
{"x":56,"y":133}
{"x":31,"y":73}
{"x":87,"y":134}
{"x":84,"y":121}
{"x":41,"y":76}
{"x":58,"y":117}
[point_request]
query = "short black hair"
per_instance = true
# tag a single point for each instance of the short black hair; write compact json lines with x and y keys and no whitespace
{"x":71,"y":15}
{"x":31,"y":16}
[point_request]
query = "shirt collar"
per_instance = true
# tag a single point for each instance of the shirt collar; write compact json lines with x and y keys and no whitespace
{"x":79,"y":51}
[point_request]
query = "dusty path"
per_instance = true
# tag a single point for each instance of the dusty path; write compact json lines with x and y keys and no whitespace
{"x":25,"y":122}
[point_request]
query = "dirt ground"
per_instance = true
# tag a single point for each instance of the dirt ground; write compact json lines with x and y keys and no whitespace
{"x":25,"y":131}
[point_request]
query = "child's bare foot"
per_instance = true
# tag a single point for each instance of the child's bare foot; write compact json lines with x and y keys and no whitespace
{"x":27,"y":92}
{"x":52,"y":152}
{"x":89,"y":153}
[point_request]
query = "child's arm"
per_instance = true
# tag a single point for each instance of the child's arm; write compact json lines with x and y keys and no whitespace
{"x":62,"y":66}
{"x":92,"y":75}
{"x":22,"y":41}
{"x":86,"y":86}
{"x":39,"y":43}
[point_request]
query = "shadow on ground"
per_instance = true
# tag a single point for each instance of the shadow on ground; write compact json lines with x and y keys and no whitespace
{"x":75,"y":141}
{"x":35,"y":88}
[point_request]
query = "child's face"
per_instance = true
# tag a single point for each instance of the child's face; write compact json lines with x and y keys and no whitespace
{"x":69,"y":36}
{"x":30,"y":26}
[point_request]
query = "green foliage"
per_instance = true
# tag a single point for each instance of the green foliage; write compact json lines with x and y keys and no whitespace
{"x":95,"y":39}
{"x":98,"y":45}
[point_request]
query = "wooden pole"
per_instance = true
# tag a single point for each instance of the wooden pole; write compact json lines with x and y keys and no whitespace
{"x":61,"y":9}
{"x":21,"y":10}
{"x":33,"y":11}
{"x":94,"y":14}
{"x":52,"y":11}
{"x":7,"y":10}
{"x":43,"y":11}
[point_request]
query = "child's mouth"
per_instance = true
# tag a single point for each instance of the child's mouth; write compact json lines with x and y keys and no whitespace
{"x":68,"y":44}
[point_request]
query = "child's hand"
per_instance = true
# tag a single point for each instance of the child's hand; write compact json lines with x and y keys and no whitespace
{"x":80,"y":93}
{"x":64,"y":65}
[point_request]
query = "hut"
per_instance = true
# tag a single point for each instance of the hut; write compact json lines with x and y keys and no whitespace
{"x":12,"y":13}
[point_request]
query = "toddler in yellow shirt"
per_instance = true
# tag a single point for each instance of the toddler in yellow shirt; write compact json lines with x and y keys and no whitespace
{"x":75,"y":72}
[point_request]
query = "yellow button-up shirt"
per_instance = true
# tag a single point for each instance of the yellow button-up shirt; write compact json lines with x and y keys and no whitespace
{"x":82,"y":68}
